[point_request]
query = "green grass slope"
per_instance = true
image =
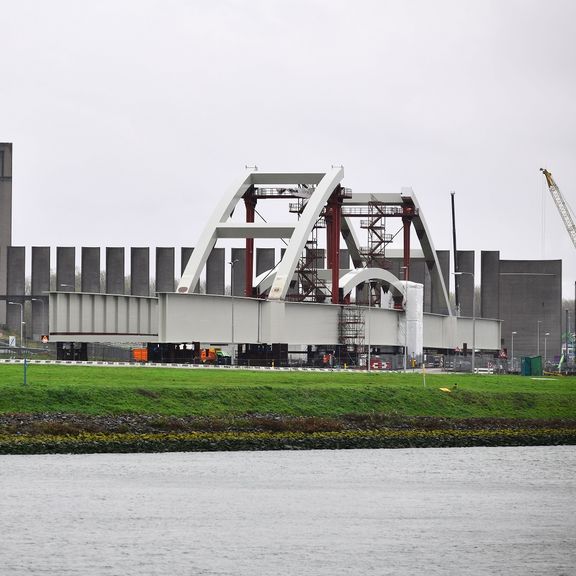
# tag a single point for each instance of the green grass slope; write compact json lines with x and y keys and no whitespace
{"x":217,"y":393}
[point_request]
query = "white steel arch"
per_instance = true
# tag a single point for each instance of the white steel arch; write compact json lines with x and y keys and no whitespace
{"x":361,"y":275}
{"x":321,"y":187}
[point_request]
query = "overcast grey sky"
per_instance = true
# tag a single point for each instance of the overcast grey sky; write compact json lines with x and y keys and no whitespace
{"x":130,"y":118}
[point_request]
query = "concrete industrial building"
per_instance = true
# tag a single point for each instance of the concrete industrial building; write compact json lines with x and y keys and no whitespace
{"x":5,"y":218}
{"x":510,"y":290}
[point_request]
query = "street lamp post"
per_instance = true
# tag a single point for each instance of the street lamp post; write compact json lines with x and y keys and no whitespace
{"x":21,"y":321}
{"x":545,"y":347}
{"x":473,"y":316}
{"x":513,"y":333}
{"x":41,"y":300}
{"x":22,"y":348}
{"x":232,"y":263}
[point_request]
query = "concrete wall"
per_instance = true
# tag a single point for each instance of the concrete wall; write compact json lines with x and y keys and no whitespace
{"x":140,"y":271}
{"x":438,"y":303}
{"x":238,"y":271}
{"x":5,"y":218}
{"x":66,"y":269}
{"x":531,"y":304}
{"x":115,"y":283}
{"x":465,"y":259}
{"x":265,"y":260}
{"x":185,"y":253}
{"x":165,"y":281}
{"x":490,"y":284}
{"x":215,"y":272}
{"x":90,"y":270}
{"x":16,"y":262}
{"x":40,"y":286}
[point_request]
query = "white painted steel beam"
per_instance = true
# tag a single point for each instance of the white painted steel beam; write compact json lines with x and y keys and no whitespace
{"x":361,"y":275}
{"x":254,"y":230}
{"x":364,"y":199}
{"x":298,"y":241}
{"x":427,"y":246}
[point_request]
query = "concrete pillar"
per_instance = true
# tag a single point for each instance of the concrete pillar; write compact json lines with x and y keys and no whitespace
{"x":185,"y":254}
{"x":237,"y":283}
{"x":5,"y":219}
{"x":344,"y":259}
{"x":264,"y":260}
{"x":427,"y":289}
{"x":490,"y":284}
{"x":40,"y":285}
{"x":438,"y":302}
{"x":115,"y":271}
{"x":66,"y":269}
{"x":215,"y":271}
{"x":140,"y":271}
{"x":466,"y":281}
{"x":165,"y":270}
{"x":16,"y":284}
{"x":90,"y":270}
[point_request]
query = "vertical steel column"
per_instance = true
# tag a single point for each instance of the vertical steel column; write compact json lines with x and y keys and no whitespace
{"x":250,"y":203}
{"x":333,"y":230}
{"x":406,"y":221}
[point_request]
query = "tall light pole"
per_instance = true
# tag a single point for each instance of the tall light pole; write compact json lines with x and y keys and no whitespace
{"x":232,"y":306}
{"x":21,"y":333}
{"x":473,"y":316}
{"x":513,"y":333}
{"x":21,"y":320}
{"x":41,"y":300}
{"x":538,"y":336}
{"x":545,"y":346}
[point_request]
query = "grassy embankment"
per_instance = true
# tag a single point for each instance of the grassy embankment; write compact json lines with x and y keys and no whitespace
{"x":90,"y":409}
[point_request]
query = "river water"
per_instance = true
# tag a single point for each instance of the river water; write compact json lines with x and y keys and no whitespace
{"x":459,"y":511}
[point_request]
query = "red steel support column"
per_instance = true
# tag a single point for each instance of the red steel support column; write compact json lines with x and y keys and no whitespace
{"x":250,"y":203}
{"x":407,"y":220}
{"x":333,"y":230}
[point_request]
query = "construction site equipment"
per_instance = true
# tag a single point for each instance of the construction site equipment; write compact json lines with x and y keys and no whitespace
{"x":561,"y":204}
{"x":140,"y":354}
{"x":214,"y":356}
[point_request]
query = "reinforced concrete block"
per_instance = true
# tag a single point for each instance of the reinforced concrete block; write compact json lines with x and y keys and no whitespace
{"x":40,"y":284}
{"x":16,"y":284}
{"x":115,"y":271}
{"x":344,"y":259}
{"x":66,"y":269}
{"x":90,"y":270}
{"x":238,"y":272}
{"x":490,"y":284}
{"x":438,"y":302}
{"x":5,"y":218}
{"x":264,"y":260}
{"x":531,"y":306}
{"x":185,"y":254}
{"x":165,"y":258}
{"x":140,"y":271}
{"x":215,"y":271}
{"x":465,"y":259}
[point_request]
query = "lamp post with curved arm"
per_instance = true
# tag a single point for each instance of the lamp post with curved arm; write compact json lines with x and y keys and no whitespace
{"x":473,"y":316}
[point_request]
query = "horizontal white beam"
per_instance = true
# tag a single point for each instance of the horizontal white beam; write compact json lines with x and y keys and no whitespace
{"x":254,"y":230}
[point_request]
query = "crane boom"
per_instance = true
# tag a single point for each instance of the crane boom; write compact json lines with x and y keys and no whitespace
{"x":561,"y":205}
